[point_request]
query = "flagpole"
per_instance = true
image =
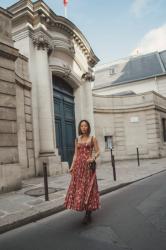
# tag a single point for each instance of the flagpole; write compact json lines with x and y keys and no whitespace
{"x":65,"y":7}
{"x":65,"y":2}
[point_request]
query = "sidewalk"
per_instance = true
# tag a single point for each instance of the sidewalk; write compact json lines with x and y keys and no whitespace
{"x":19,"y":208}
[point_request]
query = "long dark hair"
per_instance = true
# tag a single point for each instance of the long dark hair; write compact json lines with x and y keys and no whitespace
{"x":79,"y":127}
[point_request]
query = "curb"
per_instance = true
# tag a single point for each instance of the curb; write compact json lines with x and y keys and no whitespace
{"x":49,"y":212}
{"x":60,"y":208}
{"x":30,"y":219}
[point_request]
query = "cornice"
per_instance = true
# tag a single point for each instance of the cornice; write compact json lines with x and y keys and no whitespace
{"x":159,"y":108}
{"x":143,"y":94}
{"x":23,"y":15}
{"x":8,"y":52}
{"x":39,"y":13}
{"x":124,"y":110}
{"x":74,"y":36}
{"x":23,"y":57}
{"x":42,"y":39}
{"x":22,"y":82}
{"x":6,"y":13}
{"x":20,"y":5}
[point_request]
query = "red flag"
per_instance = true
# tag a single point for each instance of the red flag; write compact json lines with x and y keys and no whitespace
{"x":65,"y":2}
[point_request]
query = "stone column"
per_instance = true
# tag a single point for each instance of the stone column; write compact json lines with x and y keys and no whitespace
{"x":46,"y":133}
{"x":88,"y":106}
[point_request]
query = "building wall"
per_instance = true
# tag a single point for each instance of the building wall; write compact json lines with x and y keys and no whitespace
{"x":24,"y":118}
{"x":132,"y":121}
{"x":16,"y":136}
{"x":10,"y":175}
{"x":54,"y":46}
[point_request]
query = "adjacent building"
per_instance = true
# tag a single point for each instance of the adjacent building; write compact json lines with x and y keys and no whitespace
{"x":130,"y":99}
{"x":133,"y":75}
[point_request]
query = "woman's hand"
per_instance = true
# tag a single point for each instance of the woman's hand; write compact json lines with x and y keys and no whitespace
{"x":90,"y":160}
{"x":71,"y":170}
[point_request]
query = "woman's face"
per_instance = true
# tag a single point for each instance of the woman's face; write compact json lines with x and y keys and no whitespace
{"x":84,"y":127}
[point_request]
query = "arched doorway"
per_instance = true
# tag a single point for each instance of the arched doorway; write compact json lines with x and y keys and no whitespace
{"x":64,"y":118}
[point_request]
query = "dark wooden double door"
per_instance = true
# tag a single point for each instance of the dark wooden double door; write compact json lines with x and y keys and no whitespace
{"x":64,"y":118}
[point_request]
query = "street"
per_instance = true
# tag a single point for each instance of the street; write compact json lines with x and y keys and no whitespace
{"x":130,"y":218}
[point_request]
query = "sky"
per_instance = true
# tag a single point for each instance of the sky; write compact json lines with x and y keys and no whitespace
{"x":115,"y":29}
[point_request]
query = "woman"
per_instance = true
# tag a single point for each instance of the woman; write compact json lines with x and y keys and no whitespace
{"x":83,"y":194}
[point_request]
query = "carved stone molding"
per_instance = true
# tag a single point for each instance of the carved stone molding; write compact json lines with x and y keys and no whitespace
{"x":71,"y":47}
{"x":52,"y":23}
{"x":61,"y":44}
{"x":67,"y":71}
{"x":88,"y":76}
{"x":38,"y":14}
{"x":42,"y":42}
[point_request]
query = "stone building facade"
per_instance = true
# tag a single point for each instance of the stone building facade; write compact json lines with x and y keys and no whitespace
{"x":16,"y":137}
{"x":130,"y":99}
{"x":47,"y":78}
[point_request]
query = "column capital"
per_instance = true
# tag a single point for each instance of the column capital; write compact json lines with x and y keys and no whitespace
{"x":67,"y":71}
{"x":41,"y":41}
{"x":88,"y":76}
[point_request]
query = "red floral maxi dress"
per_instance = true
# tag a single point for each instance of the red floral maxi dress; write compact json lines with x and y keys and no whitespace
{"x":83,"y":192}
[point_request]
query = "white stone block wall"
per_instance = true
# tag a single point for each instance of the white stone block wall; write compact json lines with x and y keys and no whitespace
{"x":10,"y":174}
{"x":132,"y":121}
{"x":24,"y":117}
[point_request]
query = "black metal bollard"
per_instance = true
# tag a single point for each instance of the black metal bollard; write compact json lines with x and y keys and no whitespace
{"x":45,"y":181}
{"x":113,"y":166}
{"x":138,"y":157}
{"x":111,"y":154}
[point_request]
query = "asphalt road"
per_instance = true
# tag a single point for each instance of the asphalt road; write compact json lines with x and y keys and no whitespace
{"x":130,"y":218}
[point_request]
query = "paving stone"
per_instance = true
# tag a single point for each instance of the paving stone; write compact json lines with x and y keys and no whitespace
{"x":2,"y":213}
{"x":35,"y":202}
{"x":10,"y":206}
{"x":18,"y":208}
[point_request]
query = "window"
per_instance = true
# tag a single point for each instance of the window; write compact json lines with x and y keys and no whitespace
{"x":164,"y":128}
{"x":108,"y":142}
{"x":112,"y":71}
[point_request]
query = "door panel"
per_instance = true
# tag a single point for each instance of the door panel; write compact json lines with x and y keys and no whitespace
{"x":68,"y":110}
{"x":64,"y":118}
{"x":59,"y":143}
{"x":57,"y":103}
{"x":70,"y":134}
